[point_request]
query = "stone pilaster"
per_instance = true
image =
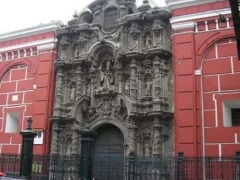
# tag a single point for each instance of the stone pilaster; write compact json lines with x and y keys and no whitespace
{"x":58,"y":92}
{"x":55,"y":138}
{"x":133,"y":80}
{"x":157,"y":79}
{"x":157,"y":143}
{"x":132,"y":136}
{"x":78,"y":82}
{"x":75,"y":141}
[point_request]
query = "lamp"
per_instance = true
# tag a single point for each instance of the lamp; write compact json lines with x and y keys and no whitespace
{"x":29,"y":121}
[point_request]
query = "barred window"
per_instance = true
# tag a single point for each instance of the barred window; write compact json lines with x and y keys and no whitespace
{"x":235,"y":116}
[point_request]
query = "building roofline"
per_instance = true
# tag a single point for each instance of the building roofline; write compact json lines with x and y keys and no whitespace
{"x":42,"y":28}
{"x":176,"y":4}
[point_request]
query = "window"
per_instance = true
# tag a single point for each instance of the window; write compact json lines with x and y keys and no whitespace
{"x":235,"y":117}
{"x":110,"y":19}
{"x":12,"y":122}
{"x":231,"y":113}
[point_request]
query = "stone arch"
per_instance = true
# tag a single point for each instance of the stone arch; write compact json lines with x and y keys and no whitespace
{"x":96,"y":48}
{"x":81,"y":104}
{"x":14,"y":63}
{"x":204,"y":47}
{"x":103,"y":121}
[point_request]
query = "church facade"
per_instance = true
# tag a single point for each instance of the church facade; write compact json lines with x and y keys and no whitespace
{"x":114,"y":81}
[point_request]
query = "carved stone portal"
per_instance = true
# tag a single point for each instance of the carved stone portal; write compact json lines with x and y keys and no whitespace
{"x":112,"y":68}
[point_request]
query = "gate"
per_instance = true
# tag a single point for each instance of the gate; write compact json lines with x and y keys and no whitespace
{"x":108,"y":154}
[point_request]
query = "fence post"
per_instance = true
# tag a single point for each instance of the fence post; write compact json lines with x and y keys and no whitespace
{"x":27,"y":151}
{"x":131,"y":166}
{"x":238,"y":165}
{"x":180,"y":166}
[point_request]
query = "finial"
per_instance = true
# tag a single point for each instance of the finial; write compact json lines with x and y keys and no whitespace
{"x":75,"y":15}
{"x":29,"y":123}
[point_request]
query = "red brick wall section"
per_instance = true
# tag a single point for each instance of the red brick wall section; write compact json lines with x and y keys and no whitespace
{"x":17,"y":83}
{"x":17,"y":78}
{"x":221,"y":74}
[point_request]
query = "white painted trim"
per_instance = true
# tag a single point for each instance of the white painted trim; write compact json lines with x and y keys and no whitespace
{"x":29,"y":44}
{"x":42,"y":28}
{"x":201,"y":15}
{"x":175,"y":4}
{"x":182,"y":26}
{"x":45,"y":47}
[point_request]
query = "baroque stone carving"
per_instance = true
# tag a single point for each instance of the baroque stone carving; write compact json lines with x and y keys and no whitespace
{"x":118,"y":74}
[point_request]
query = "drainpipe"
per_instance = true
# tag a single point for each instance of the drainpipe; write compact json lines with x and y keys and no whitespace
{"x":203,"y":124}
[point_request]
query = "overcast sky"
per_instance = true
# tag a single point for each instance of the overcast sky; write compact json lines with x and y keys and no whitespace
{"x":19,"y":14}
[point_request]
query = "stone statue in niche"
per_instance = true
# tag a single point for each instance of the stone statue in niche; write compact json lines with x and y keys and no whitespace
{"x":127,"y":85}
{"x":69,"y":147}
{"x":134,"y":31}
{"x":157,"y":29}
{"x":76,"y":51}
{"x":72,"y":92}
{"x":147,"y":148}
{"x":63,"y":48}
{"x":106,"y":75}
{"x":148,"y":40}
{"x":148,"y":86}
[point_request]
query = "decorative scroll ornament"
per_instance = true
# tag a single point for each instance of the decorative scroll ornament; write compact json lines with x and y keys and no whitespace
{"x":107,"y":108}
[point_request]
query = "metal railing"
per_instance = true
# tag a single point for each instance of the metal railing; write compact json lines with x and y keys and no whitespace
{"x":116,"y":167}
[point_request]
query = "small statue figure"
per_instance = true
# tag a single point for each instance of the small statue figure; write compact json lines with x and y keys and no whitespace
{"x":147,"y":149}
{"x":148,"y":40}
{"x":127,"y":86}
{"x":106,"y":76}
{"x":72,"y":92}
{"x":148,"y":90}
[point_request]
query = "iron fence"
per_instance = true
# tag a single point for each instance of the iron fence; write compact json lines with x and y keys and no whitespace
{"x":118,"y":167}
{"x":10,"y":165}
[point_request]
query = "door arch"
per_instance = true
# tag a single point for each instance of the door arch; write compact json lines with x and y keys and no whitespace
{"x":108,"y":153}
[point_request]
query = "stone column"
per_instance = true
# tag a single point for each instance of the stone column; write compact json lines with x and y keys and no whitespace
{"x":132,"y":136}
{"x":55,"y":138}
{"x":157,"y":79}
{"x":133,"y":80}
{"x":75,"y":141}
{"x":157,"y":143}
{"x":58,"y":92}
{"x":79,"y":82}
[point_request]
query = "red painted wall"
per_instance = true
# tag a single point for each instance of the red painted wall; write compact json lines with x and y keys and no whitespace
{"x":199,"y":97}
{"x":18,"y":76}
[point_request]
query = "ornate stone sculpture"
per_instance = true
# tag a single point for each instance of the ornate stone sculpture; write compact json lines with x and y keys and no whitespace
{"x":119,"y":76}
{"x":134,"y":32}
{"x":157,"y":29}
{"x":106,"y":76}
{"x":148,"y":40}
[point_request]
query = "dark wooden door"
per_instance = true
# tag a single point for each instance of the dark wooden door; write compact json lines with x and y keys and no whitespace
{"x":108,"y":154}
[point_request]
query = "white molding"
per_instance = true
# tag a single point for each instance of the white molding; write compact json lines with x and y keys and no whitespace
{"x":29,"y":44}
{"x":182,"y":26}
{"x":45,"y":47}
{"x":42,"y":28}
{"x":201,"y":15}
{"x":176,"y":4}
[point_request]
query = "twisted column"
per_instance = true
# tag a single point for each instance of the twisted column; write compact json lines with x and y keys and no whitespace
{"x":79,"y":82}
{"x":58,"y":92}
{"x":75,"y":141}
{"x":133,"y":80}
{"x":157,"y":146}
{"x":157,"y":79}
{"x":55,"y":138}
{"x":132,"y":136}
